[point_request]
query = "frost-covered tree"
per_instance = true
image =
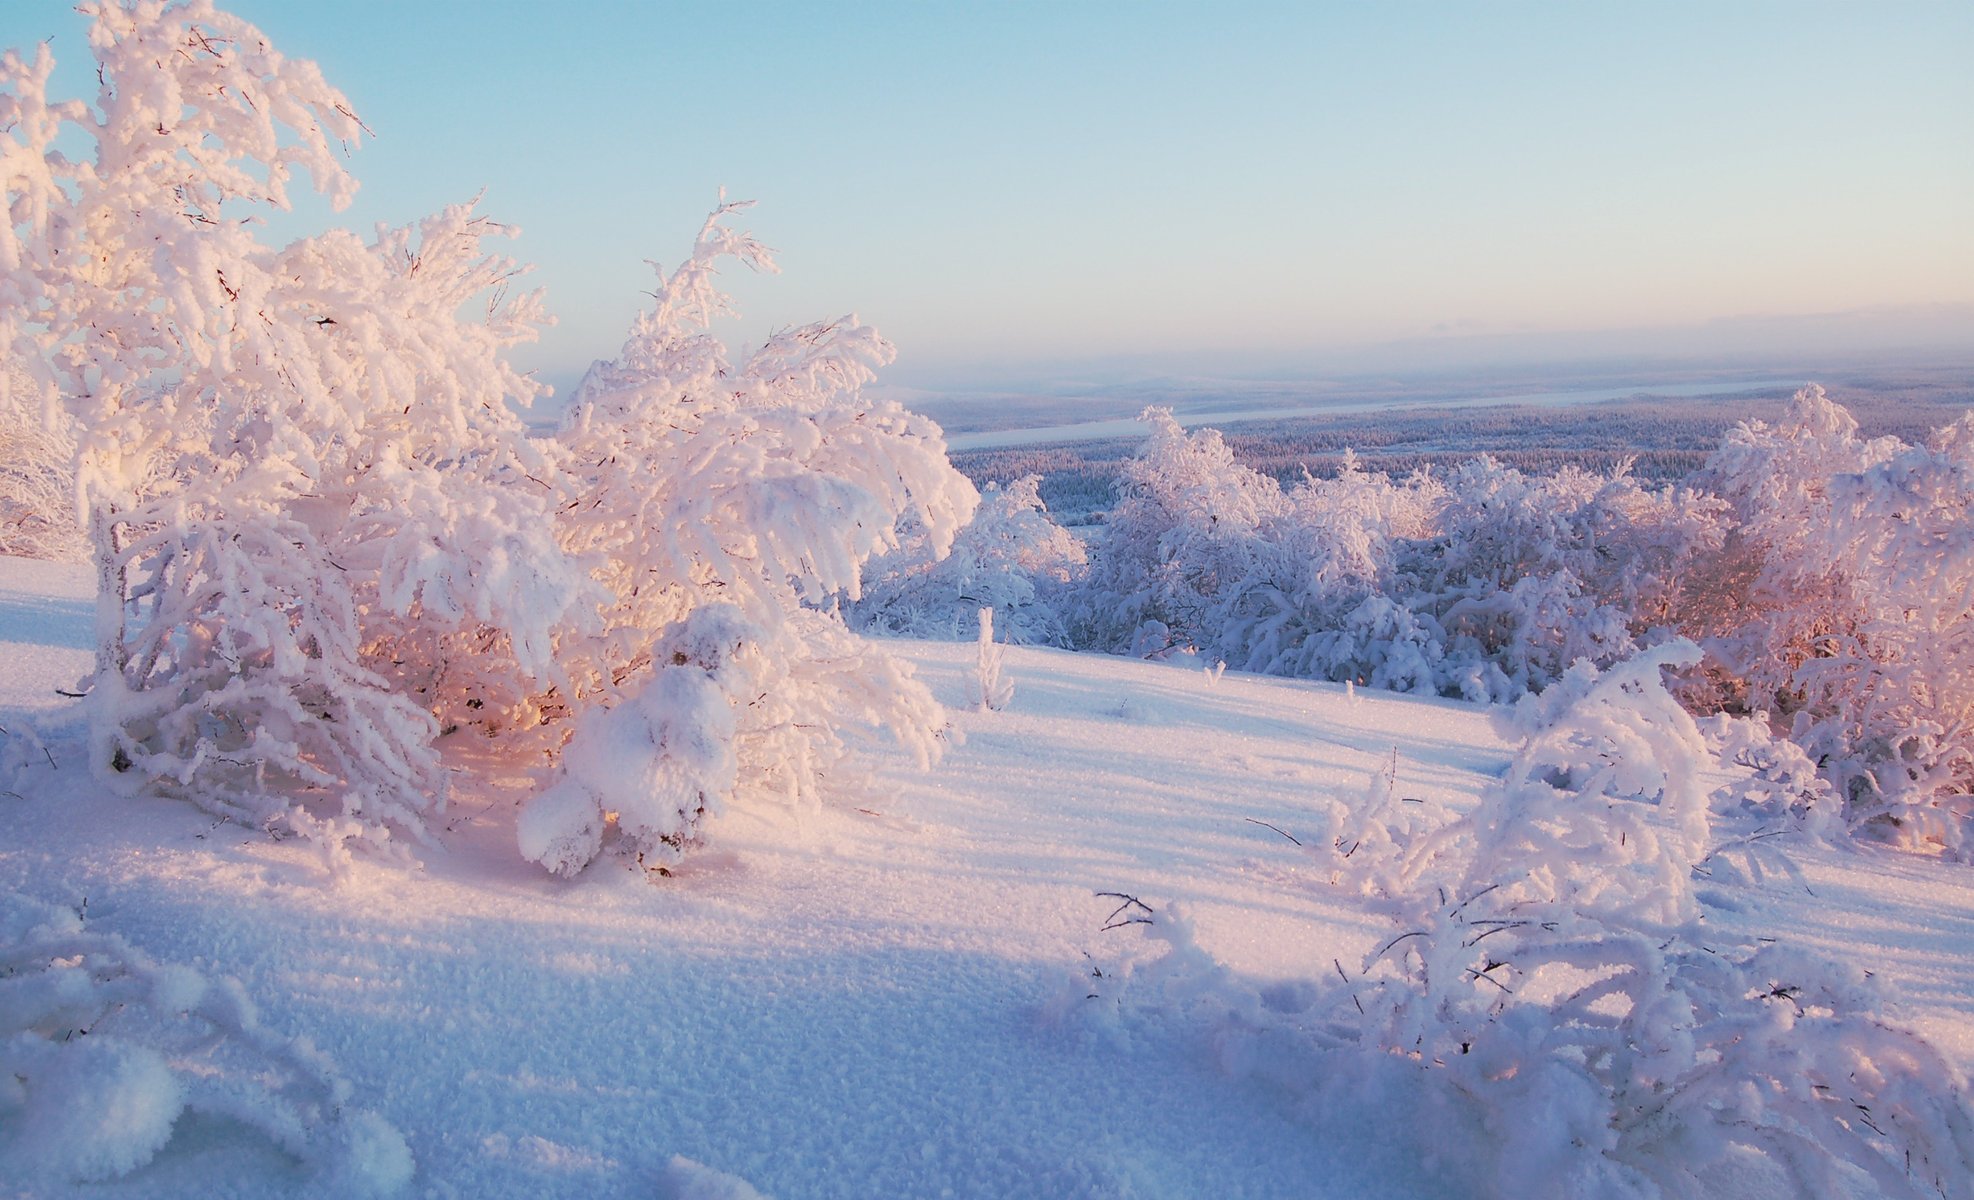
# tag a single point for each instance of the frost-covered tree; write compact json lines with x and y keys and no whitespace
{"x":1012,"y":557}
{"x":1316,"y":599}
{"x":1486,"y":585}
{"x":1525,"y":574}
{"x":323,"y":537}
{"x":1896,"y":707}
{"x":1768,"y":601}
{"x":721,"y":508}
{"x":1182,"y":534}
{"x":1842,"y":606}
{"x":37,"y":466}
{"x":309,"y":504}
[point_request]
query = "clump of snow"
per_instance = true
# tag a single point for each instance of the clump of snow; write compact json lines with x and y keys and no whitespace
{"x":992,"y":690}
{"x":88,"y":1108}
{"x":102,"y":1050}
{"x":685,"y":1179}
{"x":653,"y":767}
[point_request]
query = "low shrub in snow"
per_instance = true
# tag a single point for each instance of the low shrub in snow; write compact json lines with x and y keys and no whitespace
{"x":1550,"y":978}
{"x":1844,"y":605}
{"x":990,"y":689}
{"x":103,"y":1051}
{"x":1827,"y":577}
{"x":324,"y":539}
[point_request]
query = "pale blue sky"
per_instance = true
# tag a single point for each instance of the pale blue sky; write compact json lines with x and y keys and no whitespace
{"x":995,"y":185}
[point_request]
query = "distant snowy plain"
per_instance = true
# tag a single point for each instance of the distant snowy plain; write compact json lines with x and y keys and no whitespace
{"x":885,"y":1000}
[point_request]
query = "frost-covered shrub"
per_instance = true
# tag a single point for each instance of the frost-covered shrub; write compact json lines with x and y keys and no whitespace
{"x":308,"y":502}
{"x":1012,"y":557}
{"x":1554,"y":974}
{"x":37,"y":480}
{"x":1549,"y":984}
{"x":1316,"y":599}
{"x":102,"y":1051}
{"x":1770,"y":600}
{"x":1182,"y":534}
{"x":1485,"y":586}
{"x":323,"y":537}
{"x":990,"y":689}
{"x":720,"y":508}
{"x":1525,"y":575}
{"x":1781,"y":788}
{"x":1846,"y":608}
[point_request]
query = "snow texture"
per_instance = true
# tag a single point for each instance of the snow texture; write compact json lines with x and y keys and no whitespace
{"x":899,"y":1001}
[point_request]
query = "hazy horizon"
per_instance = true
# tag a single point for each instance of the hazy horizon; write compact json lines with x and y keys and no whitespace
{"x":1028,"y":191}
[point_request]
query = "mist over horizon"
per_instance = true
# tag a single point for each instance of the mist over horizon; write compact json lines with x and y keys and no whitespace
{"x":1925,"y":338}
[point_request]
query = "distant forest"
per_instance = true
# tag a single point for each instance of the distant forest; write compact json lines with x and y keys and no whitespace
{"x":1665,"y":438}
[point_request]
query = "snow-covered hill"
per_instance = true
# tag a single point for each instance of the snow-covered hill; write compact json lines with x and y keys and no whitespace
{"x":898,"y":999}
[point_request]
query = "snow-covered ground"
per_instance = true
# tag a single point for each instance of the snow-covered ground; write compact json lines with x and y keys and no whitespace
{"x":884,"y":1000}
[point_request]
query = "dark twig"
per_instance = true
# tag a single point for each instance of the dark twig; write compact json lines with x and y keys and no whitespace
{"x":1346,"y":982}
{"x":1278,"y":829}
{"x":1393,"y":942}
{"x":1469,"y":900}
{"x":1112,"y":921}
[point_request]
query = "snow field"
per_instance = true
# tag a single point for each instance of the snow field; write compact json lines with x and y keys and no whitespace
{"x":888,"y":999}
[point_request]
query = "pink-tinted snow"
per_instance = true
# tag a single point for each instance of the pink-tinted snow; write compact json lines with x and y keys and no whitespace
{"x":875,"y":1000}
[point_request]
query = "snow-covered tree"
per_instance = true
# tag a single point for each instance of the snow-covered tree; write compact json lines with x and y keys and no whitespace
{"x":721,"y":508}
{"x":1770,"y":598}
{"x":1525,"y":575}
{"x":37,"y":472}
{"x":1181,"y":535}
{"x":1486,"y":585}
{"x":1895,"y":706}
{"x":1316,"y":598}
{"x":315,"y":520}
{"x":323,"y":537}
{"x":1844,"y":606}
{"x":1012,"y":557}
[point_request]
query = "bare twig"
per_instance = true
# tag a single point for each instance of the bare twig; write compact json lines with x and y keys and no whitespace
{"x":1278,"y":829}
{"x":1129,"y":902}
{"x":1393,"y":942}
{"x":1469,"y":900}
{"x":1338,"y":963}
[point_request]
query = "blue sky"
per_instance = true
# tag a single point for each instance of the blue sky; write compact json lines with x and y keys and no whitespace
{"x":1003,"y":187}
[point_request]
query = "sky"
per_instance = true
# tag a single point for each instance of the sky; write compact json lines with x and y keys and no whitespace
{"x":1010,"y":188}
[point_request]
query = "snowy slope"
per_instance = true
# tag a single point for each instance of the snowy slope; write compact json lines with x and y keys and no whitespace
{"x":885,"y":1000}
